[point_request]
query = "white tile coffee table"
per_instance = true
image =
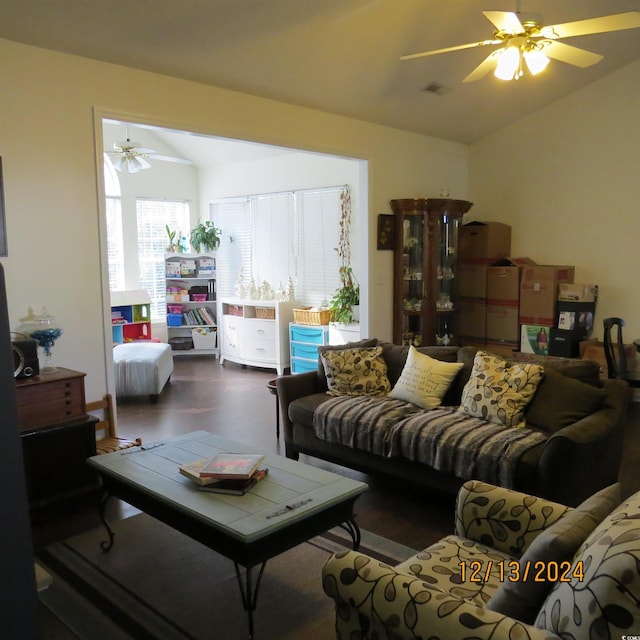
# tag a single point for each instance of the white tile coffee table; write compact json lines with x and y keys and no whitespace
{"x":293,"y":503}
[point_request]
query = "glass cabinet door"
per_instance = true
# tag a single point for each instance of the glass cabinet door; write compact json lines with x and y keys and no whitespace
{"x":425,"y":270}
{"x":413,"y":281}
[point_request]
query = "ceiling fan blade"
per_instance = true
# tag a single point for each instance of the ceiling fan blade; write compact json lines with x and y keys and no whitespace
{"x":506,"y":21}
{"x":615,"y":22}
{"x":422,"y":54}
{"x":155,"y":156}
{"x":569,"y":54}
{"x":487,"y":65}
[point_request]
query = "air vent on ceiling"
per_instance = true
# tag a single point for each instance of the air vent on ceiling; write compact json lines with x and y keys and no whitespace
{"x":438,"y":89}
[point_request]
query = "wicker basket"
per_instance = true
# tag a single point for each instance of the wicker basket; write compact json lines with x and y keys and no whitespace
{"x":313,"y":317}
{"x":266,"y":313}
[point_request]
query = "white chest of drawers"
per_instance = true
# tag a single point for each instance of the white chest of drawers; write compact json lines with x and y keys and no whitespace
{"x":255,"y":332}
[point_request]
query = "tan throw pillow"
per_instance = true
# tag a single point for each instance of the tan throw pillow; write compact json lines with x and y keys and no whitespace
{"x":497,"y":392}
{"x":424,"y":380}
{"x":355,"y":372}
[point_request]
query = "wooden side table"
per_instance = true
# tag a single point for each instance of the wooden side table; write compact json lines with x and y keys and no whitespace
{"x":57,"y":436}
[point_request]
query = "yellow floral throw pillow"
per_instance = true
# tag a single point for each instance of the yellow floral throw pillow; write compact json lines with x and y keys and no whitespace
{"x":497,"y":392}
{"x":356,"y":372}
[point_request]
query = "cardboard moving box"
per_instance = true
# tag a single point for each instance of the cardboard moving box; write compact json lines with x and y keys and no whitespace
{"x":503,"y":280}
{"x":538,"y":292}
{"x":534,"y":339}
{"x":483,"y":241}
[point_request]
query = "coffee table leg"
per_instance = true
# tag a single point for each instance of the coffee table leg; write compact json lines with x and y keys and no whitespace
{"x":249,"y":592}
{"x":105,"y":544}
{"x":352,"y":528}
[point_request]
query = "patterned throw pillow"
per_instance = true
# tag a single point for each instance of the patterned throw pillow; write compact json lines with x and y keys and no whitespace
{"x":497,"y":392}
{"x":356,"y":372}
{"x":424,"y":380}
{"x":523,"y":598}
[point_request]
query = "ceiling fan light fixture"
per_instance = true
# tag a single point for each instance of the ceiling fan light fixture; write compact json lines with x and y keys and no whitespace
{"x":536,"y":61}
{"x":509,"y":65}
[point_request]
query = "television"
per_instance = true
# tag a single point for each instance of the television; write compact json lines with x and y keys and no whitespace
{"x":18,"y":592}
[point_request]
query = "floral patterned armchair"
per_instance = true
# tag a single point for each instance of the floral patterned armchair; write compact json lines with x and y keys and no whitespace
{"x":518,"y":566}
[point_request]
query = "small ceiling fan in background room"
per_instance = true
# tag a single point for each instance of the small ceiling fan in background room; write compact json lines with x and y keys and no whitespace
{"x":527,"y":45}
{"x":132,"y":157}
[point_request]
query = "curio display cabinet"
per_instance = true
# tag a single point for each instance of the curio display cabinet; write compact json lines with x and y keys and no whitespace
{"x":425,"y":270}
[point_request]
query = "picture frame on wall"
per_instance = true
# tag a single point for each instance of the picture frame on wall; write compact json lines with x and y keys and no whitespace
{"x":385,"y":232}
{"x":3,"y":225}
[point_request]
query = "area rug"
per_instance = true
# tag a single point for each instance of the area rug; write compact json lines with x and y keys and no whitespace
{"x":158,"y":584}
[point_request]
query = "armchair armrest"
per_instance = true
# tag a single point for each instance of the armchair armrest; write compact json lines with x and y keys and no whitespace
{"x":504,"y":519}
{"x":375,"y":600}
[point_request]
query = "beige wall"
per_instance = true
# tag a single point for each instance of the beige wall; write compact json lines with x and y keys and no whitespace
{"x":47,"y":107}
{"x":567,"y":179}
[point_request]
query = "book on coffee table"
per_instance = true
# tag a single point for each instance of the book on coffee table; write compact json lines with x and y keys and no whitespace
{"x":192,"y":471}
{"x":232,"y":466}
{"x":235,"y":487}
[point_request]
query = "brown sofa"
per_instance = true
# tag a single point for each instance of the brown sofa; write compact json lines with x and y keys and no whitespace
{"x":572,"y":462}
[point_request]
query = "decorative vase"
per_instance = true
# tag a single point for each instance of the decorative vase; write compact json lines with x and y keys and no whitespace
{"x":45,"y":330}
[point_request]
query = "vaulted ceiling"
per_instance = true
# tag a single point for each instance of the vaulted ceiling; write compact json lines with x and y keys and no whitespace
{"x":340,"y":56}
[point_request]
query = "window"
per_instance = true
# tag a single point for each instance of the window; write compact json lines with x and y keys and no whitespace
{"x":153,"y":217}
{"x":280,"y":235}
{"x":115,"y":245}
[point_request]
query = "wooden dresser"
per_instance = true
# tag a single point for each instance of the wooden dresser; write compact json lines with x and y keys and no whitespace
{"x":57,"y":436}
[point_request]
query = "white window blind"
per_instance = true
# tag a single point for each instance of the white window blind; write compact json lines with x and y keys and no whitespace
{"x":115,"y":245}
{"x":280,"y":235}
{"x":233,"y":217}
{"x":152,"y":218}
{"x":319,"y":228}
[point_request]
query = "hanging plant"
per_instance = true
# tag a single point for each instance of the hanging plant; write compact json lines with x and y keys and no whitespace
{"x":348,"y":294}
{"x":206,"y":236}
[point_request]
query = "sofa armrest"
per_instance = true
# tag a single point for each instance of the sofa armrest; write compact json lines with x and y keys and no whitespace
{"x":567,"y":469}
{"x":291,"y":388}
{"x":503,"y":519}
{"x":374,"y":600}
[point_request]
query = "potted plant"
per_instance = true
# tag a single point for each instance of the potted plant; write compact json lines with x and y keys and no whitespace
{"x":345,"y":298}
{"x":205,"y":236}
{"x":174,"y":244}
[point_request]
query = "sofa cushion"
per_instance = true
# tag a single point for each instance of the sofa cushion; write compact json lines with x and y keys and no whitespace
{"x":450,"y":564}
{"x":424,"y":381}
{"x":355,"y":372}
{"x":522,"y":594}
{"x":301,"y":410}
{"x":498,"y":392}
{"x":561,"y":401}
{"x":602,"y":600}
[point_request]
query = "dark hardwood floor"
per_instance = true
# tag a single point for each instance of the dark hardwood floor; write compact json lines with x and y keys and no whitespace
{"x":234,"y":401}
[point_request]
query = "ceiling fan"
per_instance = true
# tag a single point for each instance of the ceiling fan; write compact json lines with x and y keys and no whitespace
{"x":527,"y":44}
{"x":132,"y":157}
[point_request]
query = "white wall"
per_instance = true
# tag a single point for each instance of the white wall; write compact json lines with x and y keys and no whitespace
{"x":48,"y":104}
{"x":567,"y":179}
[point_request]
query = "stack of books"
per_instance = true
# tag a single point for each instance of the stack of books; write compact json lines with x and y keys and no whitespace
{"x":232,"y":473}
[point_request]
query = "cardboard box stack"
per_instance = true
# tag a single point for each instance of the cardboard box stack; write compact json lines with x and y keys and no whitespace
{"x":538,"y":304}
{"x":503,"y":304}
{"x":480,"y":244}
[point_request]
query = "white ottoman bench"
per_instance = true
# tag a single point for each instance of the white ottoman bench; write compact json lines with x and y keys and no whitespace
{"x":142,"y":368}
